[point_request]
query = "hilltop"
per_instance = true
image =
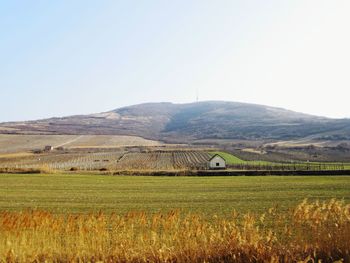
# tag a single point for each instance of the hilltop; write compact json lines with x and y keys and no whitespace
{"x":192,"y":121}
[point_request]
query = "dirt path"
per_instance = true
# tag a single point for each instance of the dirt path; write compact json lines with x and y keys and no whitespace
{"x":70,"y":141}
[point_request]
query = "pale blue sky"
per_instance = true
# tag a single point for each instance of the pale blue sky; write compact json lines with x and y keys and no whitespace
{"x":62,"y":58}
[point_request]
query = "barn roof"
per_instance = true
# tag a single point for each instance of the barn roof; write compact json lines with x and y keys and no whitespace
{"x":215,"y":156}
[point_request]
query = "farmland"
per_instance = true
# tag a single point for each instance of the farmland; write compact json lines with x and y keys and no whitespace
{"x":173,"y":219}
{"x":115,"y":159}
{"x":21,"y":153}
{"x":311,"y":232}
{"x":142,"y":158}
{"x":22,"y":143}
{"x":208,"y":195}
{"x":77,"y":217}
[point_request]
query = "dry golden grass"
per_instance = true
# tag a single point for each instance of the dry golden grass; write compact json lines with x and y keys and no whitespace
{"x":312,"y":232}
{"x":42,"y":169}
{"x":16,"y":155}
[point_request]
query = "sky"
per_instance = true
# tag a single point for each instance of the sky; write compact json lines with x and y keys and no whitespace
{"x":60,"y":58}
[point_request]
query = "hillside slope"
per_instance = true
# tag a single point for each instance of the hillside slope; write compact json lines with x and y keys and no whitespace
{"x":184,"y":122}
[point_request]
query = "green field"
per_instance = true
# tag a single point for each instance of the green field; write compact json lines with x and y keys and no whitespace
{"x":229,"y":158}
{"x":208,"y":195}
{"x":234,"y":160}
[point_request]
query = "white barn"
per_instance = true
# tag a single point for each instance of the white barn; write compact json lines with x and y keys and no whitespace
{"x":217,"y":162}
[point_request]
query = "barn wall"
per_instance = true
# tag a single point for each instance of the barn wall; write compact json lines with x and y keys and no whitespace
{"x":215,"y":160}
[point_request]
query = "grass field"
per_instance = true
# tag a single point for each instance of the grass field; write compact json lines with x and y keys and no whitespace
{"x":208,"y":195}
{"x":229,"y":158}
{"x":234,"y":160}
{"x":294,"y":232}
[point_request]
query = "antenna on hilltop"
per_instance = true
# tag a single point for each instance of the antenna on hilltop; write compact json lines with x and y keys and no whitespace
{"x":197,"y":95}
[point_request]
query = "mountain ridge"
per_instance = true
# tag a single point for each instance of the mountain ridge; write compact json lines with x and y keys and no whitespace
{"x":192,"y":121}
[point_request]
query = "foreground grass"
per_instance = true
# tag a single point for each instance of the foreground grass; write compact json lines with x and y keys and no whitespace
{"x":73,"y":193}
{"x":311,"y":232}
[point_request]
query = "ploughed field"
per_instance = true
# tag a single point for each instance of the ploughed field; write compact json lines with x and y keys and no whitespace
{"x":109,"y":160}
{"x":208,"y":195}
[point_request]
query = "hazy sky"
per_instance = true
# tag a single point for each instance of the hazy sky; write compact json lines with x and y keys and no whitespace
{"x":73,"y":57}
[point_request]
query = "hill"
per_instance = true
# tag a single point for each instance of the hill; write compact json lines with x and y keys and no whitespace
{"x":186,"y":122}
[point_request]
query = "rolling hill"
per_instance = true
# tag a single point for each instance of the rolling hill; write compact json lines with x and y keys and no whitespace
{"x":186,"y":122}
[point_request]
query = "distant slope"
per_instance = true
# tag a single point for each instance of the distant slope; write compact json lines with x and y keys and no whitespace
{"x":184,"y":122}
{"x":10,"y":143}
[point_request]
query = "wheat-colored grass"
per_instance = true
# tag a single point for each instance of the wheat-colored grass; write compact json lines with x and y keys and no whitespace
{"x":42,"y":169}
{"x":312,"y":232}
